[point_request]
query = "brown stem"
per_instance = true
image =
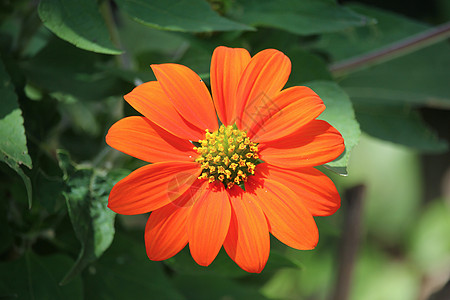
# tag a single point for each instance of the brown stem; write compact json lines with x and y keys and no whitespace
{"x":349,"y":243}
{"x":392,"y":51}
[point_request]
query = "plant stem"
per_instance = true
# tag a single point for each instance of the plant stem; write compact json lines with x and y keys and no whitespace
{"x":349,"y":243}
{"x":392,"y":51}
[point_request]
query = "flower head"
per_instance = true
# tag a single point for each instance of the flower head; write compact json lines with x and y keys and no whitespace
{"x":227,"y":182}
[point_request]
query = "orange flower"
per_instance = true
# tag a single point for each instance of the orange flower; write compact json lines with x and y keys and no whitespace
{"x":230,"y":183}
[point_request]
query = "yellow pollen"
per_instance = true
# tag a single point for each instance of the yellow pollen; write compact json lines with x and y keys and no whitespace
{"x":227,"y":155}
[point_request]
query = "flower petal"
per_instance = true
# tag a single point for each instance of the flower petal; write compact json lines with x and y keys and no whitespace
{"x":139,"y":137}
{"x":263,"y":78}
{"x":166,"y":229}
{"x":208,"y":224}
{"x":247,"y":241}
{"x":165,"y":232}
{"x":314,"y":144}
{"x":188,"y":93}
{"x":289,"y":220}
{"x":316,"y":191}
{"x":227,"y":65}
{"x":150,"y":100}
{"x":152,"y":186}
{"x":289,"y":111}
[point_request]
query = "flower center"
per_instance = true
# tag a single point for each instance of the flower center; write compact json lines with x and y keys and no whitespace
{"x":227,"y":155}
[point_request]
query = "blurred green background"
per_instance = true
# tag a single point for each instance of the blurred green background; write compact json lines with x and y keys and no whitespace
{"x":65,"y":66}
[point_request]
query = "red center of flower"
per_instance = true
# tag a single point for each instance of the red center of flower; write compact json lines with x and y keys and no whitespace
{"x":227,"y":155}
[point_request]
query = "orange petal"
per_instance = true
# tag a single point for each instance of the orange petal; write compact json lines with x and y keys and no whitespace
{"x":289,"y":220}
{"x":150,"y":100}
{"x":227,"y":65}
{"x":166,"y":230}
{"x":289,"y":111}
{"x":263,"y":78}
{"x":188,"y":93}
{"x":208,"y":225}
{"x":139,"y":137}
{"x":247,"y":241}
{"x":314,"y":144}
{"x":152,"y":186}
{"x":316,"y":191}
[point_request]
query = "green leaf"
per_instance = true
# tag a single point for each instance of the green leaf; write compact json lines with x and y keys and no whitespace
{"x":398,"y":124}
{"x":125,"y":272}
{"x":178,"y":15}
{"x":426,"y":84}
{"x":87,"y":198}
{"x":339,"y":113}
{"x":300,"y":17}
{"x":13,"y":144}
{"x":306,"y":67}
{"x":78,"y":22}
{"x":384,"y":95}
{"x":36,"y":277}
{"x":83,"y":75}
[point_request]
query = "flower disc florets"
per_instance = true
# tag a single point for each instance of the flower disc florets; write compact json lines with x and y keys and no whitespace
{"x":227,"y":155}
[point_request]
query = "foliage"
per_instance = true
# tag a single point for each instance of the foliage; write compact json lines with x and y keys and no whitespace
{"x":64,"y":67}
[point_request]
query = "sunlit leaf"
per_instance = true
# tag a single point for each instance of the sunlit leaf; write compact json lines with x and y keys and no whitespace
{"x":339,"y":113}
{"x":78,"y":22}
{"x":87,"y":198}
{"x":37,"y":277}
{"x":13,"y":144}
{"x":299,"y":17}
{"x":178,"y":15}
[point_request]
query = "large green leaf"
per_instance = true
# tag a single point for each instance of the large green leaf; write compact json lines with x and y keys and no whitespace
{"x":398,"y":124}
{"x":13,"y":143}
{"x":178,"y":15}
{"x":78,"y":22}
{"x":61,"y":67}
{"x":339,"y":113}
{"x":384,"y":95}
{"x":87,"y":198}
{"x":306,"y":67}
{"x":35,"y":277}
{"x":300,"y":17}
{"x":125,"y":272}
{"x":418,"y":78}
